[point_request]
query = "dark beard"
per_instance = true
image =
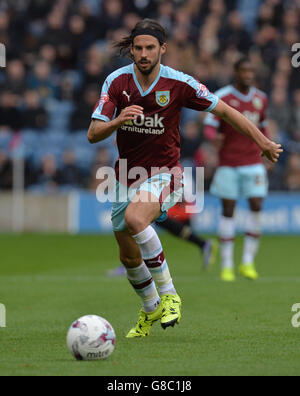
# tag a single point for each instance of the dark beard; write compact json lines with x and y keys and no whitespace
{"x":149,"y":71}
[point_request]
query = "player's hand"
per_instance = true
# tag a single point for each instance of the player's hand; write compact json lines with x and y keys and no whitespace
{"x":268,"y":164}
{"x":129,"y":114}
{"x":272,"y":152}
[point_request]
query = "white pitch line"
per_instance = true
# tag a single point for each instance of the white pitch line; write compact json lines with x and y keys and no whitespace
{"x":88,"y":278}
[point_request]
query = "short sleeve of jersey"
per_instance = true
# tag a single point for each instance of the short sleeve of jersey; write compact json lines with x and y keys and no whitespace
{"x":197,"y":97}
{"x":105,"y":110}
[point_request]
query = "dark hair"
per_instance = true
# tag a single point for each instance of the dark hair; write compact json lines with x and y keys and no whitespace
{"x":125,"y":44}
{"x":240,"y":62}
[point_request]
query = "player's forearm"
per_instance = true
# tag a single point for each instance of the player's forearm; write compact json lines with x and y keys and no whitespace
{"x":246,"y":127}
{"x":101,"y":130}
{"x":239,"y":122}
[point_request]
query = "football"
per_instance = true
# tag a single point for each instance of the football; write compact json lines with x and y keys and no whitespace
{"x":91,"y":338}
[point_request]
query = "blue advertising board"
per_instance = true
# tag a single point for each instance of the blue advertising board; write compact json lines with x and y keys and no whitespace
{"x":281,"y":215}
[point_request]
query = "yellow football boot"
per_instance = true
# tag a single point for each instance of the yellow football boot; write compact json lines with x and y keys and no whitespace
{"x":248,"y":271}
{"x":228,"y":275}
{"x":145,"y":322}
{"x":171,"y":312}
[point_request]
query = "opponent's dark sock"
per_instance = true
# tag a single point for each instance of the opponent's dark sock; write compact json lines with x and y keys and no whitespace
{"x":182,"y":231}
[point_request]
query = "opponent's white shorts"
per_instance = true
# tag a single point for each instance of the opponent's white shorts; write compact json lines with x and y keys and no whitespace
{"x":162,"y":186}
{"x":240,"y":182}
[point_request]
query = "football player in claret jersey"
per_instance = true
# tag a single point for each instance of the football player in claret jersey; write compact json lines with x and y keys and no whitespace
{"x":143,"y":102}
{"x":241,"y":172}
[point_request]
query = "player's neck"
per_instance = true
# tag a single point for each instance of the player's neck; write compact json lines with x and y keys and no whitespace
{"x":144,"y":80}
{"x":242,"y":88}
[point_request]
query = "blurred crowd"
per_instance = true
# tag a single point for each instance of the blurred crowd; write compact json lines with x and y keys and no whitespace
{"x":59,"y":53}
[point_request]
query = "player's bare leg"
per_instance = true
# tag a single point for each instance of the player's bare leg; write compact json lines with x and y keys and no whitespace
{"x":141,"y":212}
{"x":252,"y":239}
{"x":227,"y":235}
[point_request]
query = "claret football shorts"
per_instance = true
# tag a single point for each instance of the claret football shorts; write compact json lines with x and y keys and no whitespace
{"x":162,"y":186}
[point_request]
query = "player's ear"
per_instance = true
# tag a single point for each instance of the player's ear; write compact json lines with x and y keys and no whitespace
{"x":163,"y":48}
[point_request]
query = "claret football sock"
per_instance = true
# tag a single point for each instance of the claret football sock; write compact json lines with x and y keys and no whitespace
{"x":154,"y":258}
{"x":143,"y":284}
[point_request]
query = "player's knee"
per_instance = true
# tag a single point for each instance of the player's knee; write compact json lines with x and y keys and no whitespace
{"x":256,"y":205}
{"x":228,"y":212}
{"x":134,"y":223}
{"x":228,"y":208}
{"x":256,"y":208}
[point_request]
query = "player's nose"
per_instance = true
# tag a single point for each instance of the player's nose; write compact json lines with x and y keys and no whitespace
{"x":144,"y":54}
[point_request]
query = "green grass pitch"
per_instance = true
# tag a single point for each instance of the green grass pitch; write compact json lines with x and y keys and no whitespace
{"x":48,"y":281}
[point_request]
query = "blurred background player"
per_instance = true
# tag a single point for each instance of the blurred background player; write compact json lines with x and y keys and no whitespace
{"x":178,"y":224}
{"x":241,"y":172}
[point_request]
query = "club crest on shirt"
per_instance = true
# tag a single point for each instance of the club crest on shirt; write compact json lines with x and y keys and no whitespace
{"x":257,"y":103}
{"x":162,"y":98}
